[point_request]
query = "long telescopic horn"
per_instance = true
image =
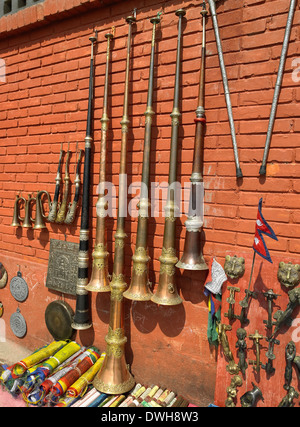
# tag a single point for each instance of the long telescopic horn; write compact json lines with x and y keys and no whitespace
{"x":212,"y":6}
{"x":82,"y":318}
{"x":167,"y":293}
{"x":139,"y":289}
{"x":277,"y":90}
{"x":192,"y":258}
{"x":100,"y":279}
{"x":114,"y":377}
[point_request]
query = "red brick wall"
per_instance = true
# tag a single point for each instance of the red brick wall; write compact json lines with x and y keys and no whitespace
{"x":44,"y":103}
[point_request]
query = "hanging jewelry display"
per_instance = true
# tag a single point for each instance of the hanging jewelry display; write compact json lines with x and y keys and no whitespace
{"x":19,"y":288}
{"x":18,"y":324}
{"x":3,"y":276}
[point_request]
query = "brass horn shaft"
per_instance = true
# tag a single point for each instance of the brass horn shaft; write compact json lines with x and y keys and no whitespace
{"x":61,"y":214}
{"x":139,"y":289}
{"x":100,"y":278}
{"x":73,"y":206}
{"x":192,"y":258}
{"x":167,"y":293}
{"x":16,"y":216}
{"x":82,"y":318}
{"x":27,"y":222}
{"x":114,"y":377}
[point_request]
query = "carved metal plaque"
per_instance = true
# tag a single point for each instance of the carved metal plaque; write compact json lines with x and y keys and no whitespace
{"x":18,"y":324}
{"x":63,"y":266}
{"x":19,"y":287}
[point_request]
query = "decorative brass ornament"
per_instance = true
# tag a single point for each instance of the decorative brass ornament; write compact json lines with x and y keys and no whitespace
{"x":139,"y":285}
{"x":53,"y":206}
{"x":242,"y":349}
{"x":231,"y":301}
{"x":114,"y":377}
{"x":256,"y":363}
{"x":285,"y":317}
{"x":245,"y":303}
{"x":288,"y":274}
{"x":61,"y":214}
{"x":39,"y":223}
{"x":290,"y":353}
{"x":99,"y":281}
{"x":192,"y":257}
{"x":82,"y":318}
{"x":250,"y":398}
{"x":116,"y":341}
{"x":27,"y":220}
{"x":234,"y":266}
{"x":141,"y":259}
{"x":3,"y":276}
